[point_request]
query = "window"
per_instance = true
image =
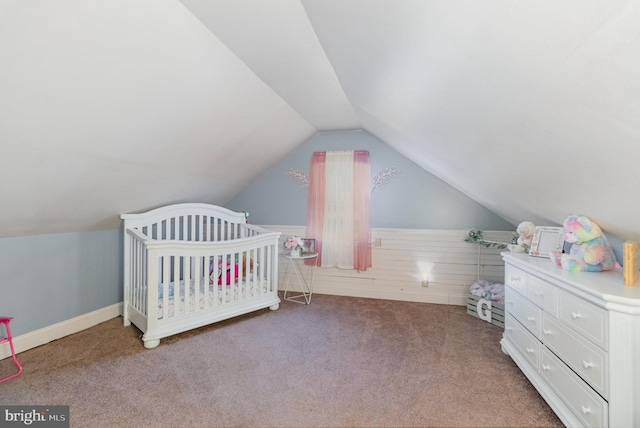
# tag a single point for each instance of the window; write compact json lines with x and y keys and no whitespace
{"x":338,"y":216}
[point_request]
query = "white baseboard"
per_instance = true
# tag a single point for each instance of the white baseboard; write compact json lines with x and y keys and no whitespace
{"x":53,"y":332}
{"x":443,"y":299}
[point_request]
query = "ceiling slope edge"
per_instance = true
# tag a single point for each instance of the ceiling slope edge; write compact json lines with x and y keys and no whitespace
{"x":287,"y":56}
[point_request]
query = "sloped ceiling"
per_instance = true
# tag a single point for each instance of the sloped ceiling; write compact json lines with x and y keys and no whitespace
{"x":531,"y":108}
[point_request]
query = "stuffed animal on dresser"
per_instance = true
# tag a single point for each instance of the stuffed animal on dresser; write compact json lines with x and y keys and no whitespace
{"x":525,"y":231}
{"x":590,"y":251}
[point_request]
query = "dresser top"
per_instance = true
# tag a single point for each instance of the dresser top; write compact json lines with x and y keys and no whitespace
{"x":608,"y":285}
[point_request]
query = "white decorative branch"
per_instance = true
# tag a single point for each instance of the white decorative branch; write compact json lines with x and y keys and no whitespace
{"x":383,"y":176}
{"x":300,"y":177}
{"x":378,"y":181}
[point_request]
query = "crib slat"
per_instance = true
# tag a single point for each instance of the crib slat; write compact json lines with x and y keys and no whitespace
{"x":223,"y":278}
{"x":165,"y":286}
{"x":239,"y":282}
{"x":205,"y":285}
{"x":237,"y":279}
{"x":270,"y":273}
{"x":266,"y":268}
{"x":257,"y":264}
{"x":188,"y":279}
{"x":192,"y":298}
{"x":214,"y":276}
{"x":176,"y":285}
{"x":250,"y":282}
{"x":233,"y":279}
{"x":230,"y":278}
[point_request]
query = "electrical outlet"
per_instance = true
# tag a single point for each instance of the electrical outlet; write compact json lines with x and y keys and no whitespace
{"x":378,"y":242}
{"x":425,"y":282}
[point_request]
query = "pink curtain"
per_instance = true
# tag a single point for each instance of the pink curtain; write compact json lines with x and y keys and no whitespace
{"x":361,"y":204}
{"x":315,"y":201}
{"x":361,"y":207}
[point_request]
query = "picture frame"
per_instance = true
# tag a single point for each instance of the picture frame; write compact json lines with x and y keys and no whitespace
{"x":308,"y":246}
{"x":546,"y":239}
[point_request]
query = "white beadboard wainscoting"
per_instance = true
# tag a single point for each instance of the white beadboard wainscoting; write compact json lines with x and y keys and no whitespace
{"x":404,"y":258}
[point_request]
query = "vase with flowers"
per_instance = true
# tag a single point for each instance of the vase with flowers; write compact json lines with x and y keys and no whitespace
{"x":294,"y":244}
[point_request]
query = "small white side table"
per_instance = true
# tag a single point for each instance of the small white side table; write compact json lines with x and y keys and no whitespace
{"x":305,"y":275}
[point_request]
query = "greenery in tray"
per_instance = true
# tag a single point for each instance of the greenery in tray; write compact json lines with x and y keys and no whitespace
{"x":474,"y":236}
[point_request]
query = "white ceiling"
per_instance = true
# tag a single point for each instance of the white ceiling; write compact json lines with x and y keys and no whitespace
{"x":531,"y":108}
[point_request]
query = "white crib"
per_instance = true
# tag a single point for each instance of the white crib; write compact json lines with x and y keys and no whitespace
{"x":189,"y":265}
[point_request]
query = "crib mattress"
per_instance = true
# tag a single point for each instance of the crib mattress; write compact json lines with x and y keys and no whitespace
{"x":225,"y":294}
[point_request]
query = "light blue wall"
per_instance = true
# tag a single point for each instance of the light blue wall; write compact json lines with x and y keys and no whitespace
{"x":413,"y":199}
{"x":46,"y":279}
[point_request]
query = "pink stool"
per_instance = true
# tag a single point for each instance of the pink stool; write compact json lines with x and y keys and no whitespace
{"x":6,"y":321}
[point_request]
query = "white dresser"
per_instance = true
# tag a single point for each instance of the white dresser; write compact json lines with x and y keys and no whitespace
{"x":576,"y":336}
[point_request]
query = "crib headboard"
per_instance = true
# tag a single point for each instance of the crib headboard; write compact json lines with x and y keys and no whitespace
{"x":187,"y":222}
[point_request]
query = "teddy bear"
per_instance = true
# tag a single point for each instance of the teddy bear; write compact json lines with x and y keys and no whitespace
{"x":590,"y":251}
{"x":525,"y":231}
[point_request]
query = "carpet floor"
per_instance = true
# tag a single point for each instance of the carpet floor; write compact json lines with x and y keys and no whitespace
{"x":338,"y":362}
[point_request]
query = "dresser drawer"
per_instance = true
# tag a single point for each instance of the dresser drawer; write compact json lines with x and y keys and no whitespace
{"x":524,"y":311}
{"x":585,"y":403}
{"x":523,"y":340}
{"x":586,"y":359}
{"x":516,"y":278}
{"x":542,"y":294}
{"x":586,"y":318}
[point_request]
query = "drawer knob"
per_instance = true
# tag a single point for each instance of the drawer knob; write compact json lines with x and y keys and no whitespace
{"x":530,"y":318}
{"x":531,"y":350}
{"x":538,"y":293}
{"x":576,"y":315}
{"x":515,"y":278}
{"x":586,"y":410}
{"x":587,"y":364}
{"x":546,"y":332}
{"x":546,"y":367}
{"x":509,"y":328}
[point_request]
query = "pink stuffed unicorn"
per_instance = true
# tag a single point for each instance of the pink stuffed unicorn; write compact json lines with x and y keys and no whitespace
{"x":590,"y":250}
